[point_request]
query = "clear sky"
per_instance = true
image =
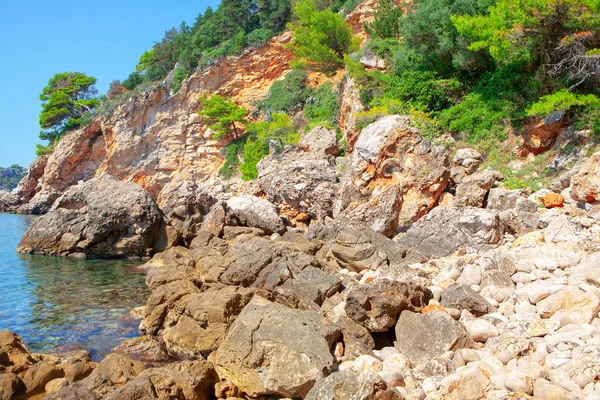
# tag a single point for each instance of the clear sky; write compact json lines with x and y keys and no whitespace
{"x":100,"y":38}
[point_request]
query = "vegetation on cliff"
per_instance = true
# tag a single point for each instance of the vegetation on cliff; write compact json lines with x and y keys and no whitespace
{"x":11,"y":176}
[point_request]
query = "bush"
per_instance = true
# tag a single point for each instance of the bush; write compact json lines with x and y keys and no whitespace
{"x":132,"y":81}
{"x":178,"y":77}
{"x":324,"y":106}
{"x":230,"y":167}
{"x":562,"y":100}
{"x":41,"y":150}
{"x":475,"y":118}
{"x":287,"y":94}
{"x":259,"y":37}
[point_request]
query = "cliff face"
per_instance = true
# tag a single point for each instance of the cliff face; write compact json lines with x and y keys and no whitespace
{"x":155,"y":138}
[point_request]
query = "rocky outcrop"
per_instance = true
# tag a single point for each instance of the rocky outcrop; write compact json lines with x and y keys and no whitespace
{"x":350,"y":104}
{"x":585,"y":185}
{"x":540,"y":135}
{"x":254,"y":212}
{"x":393,"y":176}
{"x":101,"y":217}
{"x":272,"y":349}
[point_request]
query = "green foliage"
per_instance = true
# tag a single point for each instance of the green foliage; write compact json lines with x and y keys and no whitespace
{"x":65,"y":99}
{"x":386,"y":24}
{"x":231,"y":165}
{"x":222,"y":114}
{"x":133,"y":80}
{"x":259,"y":37}
{"x":476,"y":119}
{"x":281,"y":130}
{"x":41,"y":150}
{"x":10,"y":177}
{"x":321,"y":37}
{"x":432,"y":43}
{"x":324,"y":106}
{"x":287,"y":94}
{"x":178,"y":77}
{"x":562,"y":100}
{"x":528,"y":30}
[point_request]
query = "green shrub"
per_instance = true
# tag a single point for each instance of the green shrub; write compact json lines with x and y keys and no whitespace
{"x":259,"y":37}
{"x":41,"y":150}
{"x":386,"y":24}
{"x":281,"y":129}
{"x":180,"y":75}
{"x":324,"y":106}
{"x":562,"y":100}
{"x":230,"y":167}
{"x":287,"y":94}
{"x":475,"y":118}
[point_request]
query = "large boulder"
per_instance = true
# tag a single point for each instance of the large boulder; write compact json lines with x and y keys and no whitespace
{"x":350,"y":385}
{"x":275,"y":350}
{"x":585,"y":185}
{"x":100,"y":217}
{"x":302,"y":178}
{"x":393,"y":177}
{"x":446,"y":229}
{"x":463,"y":297}
{"x":254,"y":212}
{"x":421,"y":337}
{"x":473,"y":189}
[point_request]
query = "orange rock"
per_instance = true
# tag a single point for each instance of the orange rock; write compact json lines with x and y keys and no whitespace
{"x":302,"y":216}
{"x":433,"y":307}
{"x":553,"y":200}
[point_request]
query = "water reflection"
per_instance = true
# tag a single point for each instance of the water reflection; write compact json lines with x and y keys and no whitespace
{"x":53,"y":301}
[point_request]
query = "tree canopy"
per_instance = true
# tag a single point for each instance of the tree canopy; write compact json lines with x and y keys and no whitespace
{"x":222,"y":114}
{"x":65,"y":99}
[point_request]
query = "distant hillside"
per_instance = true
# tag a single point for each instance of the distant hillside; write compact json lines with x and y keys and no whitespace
{"x":11,"y":176}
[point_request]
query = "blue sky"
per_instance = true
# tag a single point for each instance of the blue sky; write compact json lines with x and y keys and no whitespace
{"x":102,"y":38}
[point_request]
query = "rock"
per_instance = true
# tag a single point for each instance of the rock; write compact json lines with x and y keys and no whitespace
{"x":519,"y":222}
{"x":481,"y":330}
{"x":100,"y":217}
{"x":501,"y":199}
{"x":471,"y":275}
{"x":350,"y":105}
{"x":463,"y":297}
{"x":304,"y":181}
{"x":73,"y":392}
{"x":423,"y":337}
{"x":39,"y":374}
{"x":55,"y":385}
{"x":10,"y":386}
{"x":371,"y":61}
{"x":254,"y":212}
{"x":468,"y":158}
{"x":587,"y":271}
{"x":540,"y":134}
{"x":193,"y":380}
{"x":394,"y":176}
{"x":76,"y":370}
{"x":214,"y":221}
{"x":321,"y":141}
{"x":378,"y":304}
{"x":446,"y":229}
{"x":146,"y":349}
{"x":552,"y":200}
{"x":184,"y":205}
{"x":13,"y":352}
{"x":473,"y":189}
{"x":272,"y":349}
{"x":571,"y":303}
{"x":585,"y":185}
{"x":543,"y":389}
{"x":350,"y":385}
{"x":562,"y":229}
{"x":114,"y":370}
{"x":468,"y":384}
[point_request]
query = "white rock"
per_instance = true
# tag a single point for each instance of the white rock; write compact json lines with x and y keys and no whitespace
{"x":466,"y":384}
{"x":367,"y":364}
{"x":518,"y":381}
{"x":471,"y":275}
{"x":543,"y":389}
{"x":481,"y":330}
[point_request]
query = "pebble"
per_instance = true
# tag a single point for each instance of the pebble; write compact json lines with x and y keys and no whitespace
{"x":481,"y":330}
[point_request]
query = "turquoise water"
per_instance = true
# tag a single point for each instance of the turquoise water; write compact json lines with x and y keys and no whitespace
{"x":53,"y":302}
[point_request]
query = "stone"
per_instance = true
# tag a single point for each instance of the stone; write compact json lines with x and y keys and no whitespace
{"x":76,"y":370}
{"x":13,"y":352}
{"x":552,"y":200}
{"x":468,"y":384}
{"x":39,"y":374}
{"x":100,"y":217}
{"x":543,"y":389}
{"x":146,"y":349}
{"x":272,"y":349}
{"x":588,"y":271}
{"x":254,"y":212}
{"x":55,"y":385}
{"x":473,"y":189}
{"x":561,"y":229}
{"x":394,"y":176}
{"x":321,"y":141}
{"x":481,"y":330}
{"x":471,"y":275}
{"x":303,"y":180}
{"x":367,"y":364}
{"x":423,"y":337}
{"x":378,"y":304}
{"x":585,"y":185}
{"x":468,"y":158}
{"x":446,"y":229}
{"x":214,"y":221}
{"x":350,"y":385}
{"x":572,"y":303}
{"x":114,"y":370}
{"x":540,"y":134}
{"x":10,"y":386}
{"x":463,"y":297}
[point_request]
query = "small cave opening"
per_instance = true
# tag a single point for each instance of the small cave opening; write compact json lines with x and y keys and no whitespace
{"x":384,"y":339}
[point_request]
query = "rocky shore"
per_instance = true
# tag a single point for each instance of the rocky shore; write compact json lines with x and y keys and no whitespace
{"x":407,"y":274}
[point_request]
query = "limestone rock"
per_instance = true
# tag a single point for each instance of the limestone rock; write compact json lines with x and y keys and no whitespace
{"x":39,"y":374}
{"x":350,"y":104}
{"x":585,"y":185}
{"x":321,"y":141}
{"x":10,"y":386}
{"x":463,"y":297}
{"x":114,"y":370}
{"x":588,"y":271}
{"x":391,"y":168}
{"x":469,"y":159}
{"x":541,"y":134}
{"x":254,"y":212}
{"x":570,"y":303}
{"x":423,"y":337}
{"x":501,"y":199}
{"x":350,"y":385}
{"x":446,"y":229}
{"x":473,"y":189}
{"x":272,"y":349}
{"x":103,"y":216}
{"x":378,"y":304}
